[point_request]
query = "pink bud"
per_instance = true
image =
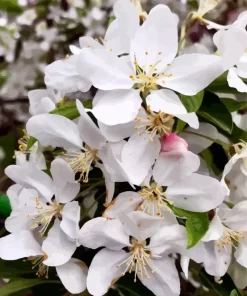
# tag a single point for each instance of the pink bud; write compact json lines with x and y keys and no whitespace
{"x":172,"y":142}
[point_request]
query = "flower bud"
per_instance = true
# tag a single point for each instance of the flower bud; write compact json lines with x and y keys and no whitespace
{"x":172,"y":142}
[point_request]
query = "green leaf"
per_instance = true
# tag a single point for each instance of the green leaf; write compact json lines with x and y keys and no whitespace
{"x":234,"y":293}
{"x":5,"y":208}
{"x":31,"y":142}
{"x":192,"y":103}
{"x":238,"y":134}
{"x":11,"y":6}
{"x":16,"y":285}
{"x":233,"y":105}
{"x":214,"y":111}
{"x":196,"y":225}
{"x":13,"y":269}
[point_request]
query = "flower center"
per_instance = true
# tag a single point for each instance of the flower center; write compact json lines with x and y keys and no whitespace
{"x":146,"y":76}
{"x":37,"y":261}
{"x":44,"y":215}
{"x":81,"y":162}
{"x":155,"y":123}
{"x":230,"y":237}
{"x":139,"y":261}
{"x":154,"y":199}
{"x":23,"y":142}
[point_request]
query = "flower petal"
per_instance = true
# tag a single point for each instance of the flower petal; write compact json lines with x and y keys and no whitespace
{"x":171,"y":167}
{"x":63,"y":76}
{"x":19,"y":245}
{"x":73,"y":275}
{"x":190,"y":73}
{"x":100,"y":232}
{"x":190,"y":118}
{"x":141,"y":225}
{"x":104,"y":271}
{"x":197,"y":193}
{"x":167,"y":101}
{"x":196,"y":143}
{"x":54,"y":130}
{"x":235,"y":81}
{"x":70,"y":222}
{"x":215,"y":230}
{"x":13,"y":193}
{"x":57,"y":246}
{"x":104,"y":70}
{"x":241,"y":255}
{"x":138,"y":155}
{"x":30,"y":177}
{"x":117,"y":106}
{"x":150,"y":46}
{"x":89,"y":132}
{"x":125,"y":202}
{"x":165,"y":279}
{"x":40,"y":101}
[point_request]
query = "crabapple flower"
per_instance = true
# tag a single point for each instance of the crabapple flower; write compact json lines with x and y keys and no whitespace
{"x":151,"y":64}
{"x":147,"y":260}
{"x":24,"y":244}
{"x":227,"y":232}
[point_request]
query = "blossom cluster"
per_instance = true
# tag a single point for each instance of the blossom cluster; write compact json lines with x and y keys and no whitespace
{"x":137,"y":139}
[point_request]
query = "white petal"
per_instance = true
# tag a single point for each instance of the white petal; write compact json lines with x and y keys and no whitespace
{"x":150,"y":45}
{"x":184,"y":262}
{"x":30,"y":177}
{"x":192,"y":72}
{"x":125,"y":202}
{"x":117,"y":106}
{"x":190,"y":118}
{"x":141,"y":225}
{"x":231,"y":45}
{"x":19,"y":245}
{"x":138,"y":155}
{"x":100,"y":232}
{"x":40,"y":101}
{"x":165,"y":279}
{"x":13,"y":193}
{"x":217,"y":260}
{"x":215,"y":230}
{"x":166,"y":101}
{"x":54,"y":130}
{"x":235,"y":81}
{"x":197,"y":193}
{"x":63,"y":76}
{"x":168,"y":239}
{"x":104,"y":271}
{"x":73,"y":275}
{"x":57,"y":246}
{"x":241,"y":255}
{"x":118,"y":132}
{"x":238,"y":274}
{"x":70,"y":223}
{"x":66,"y":188}
{"x":120,"y":31}
{"x":171,"y":167}
{"x":104,"y":70}
{"x":87,"y":41}
{"x":196,"y":143}
{"x":89,"y":132}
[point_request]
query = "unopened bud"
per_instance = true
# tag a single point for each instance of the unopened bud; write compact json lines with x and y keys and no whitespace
{"x":172,"y":142}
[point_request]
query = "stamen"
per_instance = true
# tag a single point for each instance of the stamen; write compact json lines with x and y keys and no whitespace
{"x":230,"y":237}
{"x":155,"y":123}
{"x":44,"y":215}
{"x":81,"y":162}
{"x":37,"y":261}
{"x":138,"y":262}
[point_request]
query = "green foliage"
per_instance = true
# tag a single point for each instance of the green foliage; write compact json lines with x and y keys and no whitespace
{"x":11,"y":6}
{"x":16,"y":285}
{"x":192,"y":103}
{"x":5,"y":208}
{"x":215,"y":112}
{"x":226,"y":288}
{"x":233,"y":105}
{"x":196,"y":225}
{"x":14,"y":269}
